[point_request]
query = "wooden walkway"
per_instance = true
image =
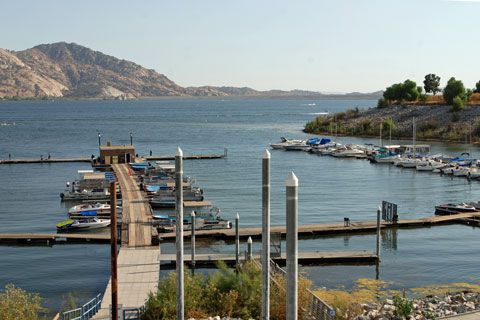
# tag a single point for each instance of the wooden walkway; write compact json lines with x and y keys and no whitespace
{"x":332,"y":228}
{"x":53,"y":238}
{"x":305,"y":258}
{"x":137,"y":230}
{"x":15,"y":161}
{"x":138,"y":275}
{"x":138,"y":266}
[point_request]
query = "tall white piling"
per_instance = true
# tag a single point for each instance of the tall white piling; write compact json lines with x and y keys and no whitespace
{"x":378,"y":231}
{"x":266,"y":235}
{"x":237,"y":241}
{"x":292,"y":246}
{"x":179,"y":231}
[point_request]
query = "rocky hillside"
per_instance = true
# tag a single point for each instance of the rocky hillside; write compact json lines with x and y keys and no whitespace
{"x":70,"y":70}
{"x":432,"y":122}
{"x":73,"y":71}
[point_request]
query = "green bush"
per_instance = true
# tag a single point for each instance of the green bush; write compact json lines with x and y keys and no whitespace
{"x":225,"y":293}
{"x":428,"y":125}
{"x":454,"y":89}
{"x":455,"y":117}
{"x":457,"y":105}
{"x":382,"y":103}
{"x":16,"y":303}
{"x":403,"y":307}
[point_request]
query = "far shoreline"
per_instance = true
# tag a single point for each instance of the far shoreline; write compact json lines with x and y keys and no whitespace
{"x":319,"y":97}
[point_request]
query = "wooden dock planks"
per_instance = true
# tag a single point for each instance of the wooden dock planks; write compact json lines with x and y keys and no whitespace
{"x":136,"y":209}
{"x":26,"y":238}
{"x":305,"y":258}
{"x":332,"y":228}
{"x":15,"y":161}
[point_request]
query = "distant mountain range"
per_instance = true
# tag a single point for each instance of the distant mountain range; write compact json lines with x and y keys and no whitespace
{"x":69,"y":70}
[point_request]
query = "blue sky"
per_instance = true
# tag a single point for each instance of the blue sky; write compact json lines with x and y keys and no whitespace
{"x":327,"y":46}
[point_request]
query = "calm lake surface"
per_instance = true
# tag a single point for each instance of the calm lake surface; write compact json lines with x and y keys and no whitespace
{"x":329,"y":188}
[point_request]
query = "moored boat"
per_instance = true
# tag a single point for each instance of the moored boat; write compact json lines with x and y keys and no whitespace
{"x":453,"y":208}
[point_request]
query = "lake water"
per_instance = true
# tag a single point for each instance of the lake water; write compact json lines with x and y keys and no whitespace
{"x":329,"y":188}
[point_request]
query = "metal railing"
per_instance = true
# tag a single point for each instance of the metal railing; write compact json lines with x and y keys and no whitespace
{"x":319,"y":309}
{"x":86,"y":311}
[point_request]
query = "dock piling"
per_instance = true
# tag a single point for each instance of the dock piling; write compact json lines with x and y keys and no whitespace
{"x":192,"y":214}
{"x":292,"y":246}
{"x":237,"y":240}
{"x":249,"y":248}
{"x":179,"y":231}
{"x":378,"y":231}
{"x":266,"y":235}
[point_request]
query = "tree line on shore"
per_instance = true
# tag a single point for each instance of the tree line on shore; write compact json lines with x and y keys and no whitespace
{"x":454,"y":94}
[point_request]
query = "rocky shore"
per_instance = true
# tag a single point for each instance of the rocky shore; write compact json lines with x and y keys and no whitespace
{"x":431,"y":307}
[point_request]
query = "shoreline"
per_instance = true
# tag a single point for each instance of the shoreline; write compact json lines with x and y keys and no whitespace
{"x":316,"y":97}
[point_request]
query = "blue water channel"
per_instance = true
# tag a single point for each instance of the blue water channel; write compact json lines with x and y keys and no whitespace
{"x":329,"y":188}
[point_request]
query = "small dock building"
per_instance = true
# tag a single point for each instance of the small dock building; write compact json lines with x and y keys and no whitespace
{"x":116,"y":154}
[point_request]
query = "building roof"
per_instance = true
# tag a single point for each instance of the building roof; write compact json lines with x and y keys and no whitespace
{"x":127,"y":147}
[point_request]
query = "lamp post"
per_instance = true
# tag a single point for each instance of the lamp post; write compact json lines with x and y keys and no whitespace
{"x":131,"y":139}
{"x":99,"y":138}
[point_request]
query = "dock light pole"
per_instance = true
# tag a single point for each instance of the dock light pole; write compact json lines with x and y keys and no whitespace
{"x":266,"y":235}
{"x":99,"y":139}
{"x":292,"y":246}
{"x":179,"y":231}
{"x":378,"y":231}
{"x":237,"y":240}
{"x":113,"y":247}
{"x":192,"y":215}
{"x":131,"y":139}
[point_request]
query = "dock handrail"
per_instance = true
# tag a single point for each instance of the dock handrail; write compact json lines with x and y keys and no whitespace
{"x":86,"y":311}
{"x":319,"y":309}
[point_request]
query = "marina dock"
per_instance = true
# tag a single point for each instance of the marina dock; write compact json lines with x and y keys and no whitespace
{"x":15,"y":161}
{"x":53,"y":238}
{"x":332,"y":228}
{"x":304,"y":258}
{"x":138,"y":266}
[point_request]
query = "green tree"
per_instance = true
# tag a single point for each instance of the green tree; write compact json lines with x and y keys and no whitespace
{"x":410,"y":91}
{"x":477,"y":87}
{"x":457,"y":105}
{"x":15,"y":303}
{"x":454,"y":89}
{"x":469,"y":94}
{"x":431,"y":83}
{"x":402,"y":91}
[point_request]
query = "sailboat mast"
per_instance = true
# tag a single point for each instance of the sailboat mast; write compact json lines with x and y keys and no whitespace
{"x":381,"y":134}
{"x":390,"y":142}
{"x":414,"y":134}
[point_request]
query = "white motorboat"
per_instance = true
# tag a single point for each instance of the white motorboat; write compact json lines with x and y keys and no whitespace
{"x":452,"y":208}
{"x":98,"y":208}
{"x":461,"y":171}
{"x":285,"y":142}
{"x":473,"y":173}
{"x":385,"y":158}
{"x":348,"y":152}
{"x":90,"y":223}
{"x":430,"y":166}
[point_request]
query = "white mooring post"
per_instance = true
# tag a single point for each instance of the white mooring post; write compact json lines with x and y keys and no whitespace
{"x":292,"y":246}
{"x":179,"y":231}
{"x":249,"y":248}
{"x":378,"y":232}
{"x":237,"y":240}
{"x":266,"y":235}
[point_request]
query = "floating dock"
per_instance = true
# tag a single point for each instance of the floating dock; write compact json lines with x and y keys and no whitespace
{"x":53,"y":238}
{"x":186,"y":157}
{"x":330,"y":229}
{"x":304,"y":258}
{"x":15,"y":161}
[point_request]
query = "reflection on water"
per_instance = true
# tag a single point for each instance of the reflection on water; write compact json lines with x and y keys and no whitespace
{"x":389,"y":238}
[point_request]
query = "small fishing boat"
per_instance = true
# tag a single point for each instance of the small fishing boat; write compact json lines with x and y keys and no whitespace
{"x":89,"y":223}
{"x":453,"y":208}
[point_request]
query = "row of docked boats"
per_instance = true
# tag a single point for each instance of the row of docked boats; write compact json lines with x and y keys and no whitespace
{"x":405,"y":156}
{"x":157,"y":180}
